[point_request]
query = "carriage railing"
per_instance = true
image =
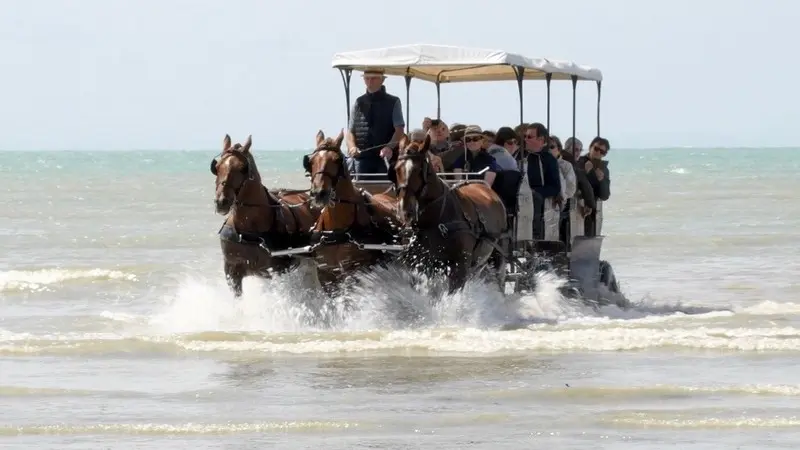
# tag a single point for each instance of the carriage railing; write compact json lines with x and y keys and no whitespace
{"x":366,"y":179}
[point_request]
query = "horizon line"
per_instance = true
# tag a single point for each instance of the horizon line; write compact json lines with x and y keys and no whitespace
{"x":681,"y":147}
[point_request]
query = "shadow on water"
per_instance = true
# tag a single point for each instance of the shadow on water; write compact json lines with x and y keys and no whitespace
{"x":398,"y":373}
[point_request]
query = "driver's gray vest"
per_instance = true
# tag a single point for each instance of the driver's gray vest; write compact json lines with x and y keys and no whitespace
{"x":372,"y":121}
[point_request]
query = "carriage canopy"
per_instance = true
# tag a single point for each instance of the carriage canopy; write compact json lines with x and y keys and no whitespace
{"x":451,"y":64}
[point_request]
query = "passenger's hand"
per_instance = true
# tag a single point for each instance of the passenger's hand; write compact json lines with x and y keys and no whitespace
{"x":599,"y":174}
{"x":437,"y":163}
{"x":558,"y":201}
{"x":587,"y":212}
{"x":588,"y":167}
{"x":426,"y":123}
{"x":386,"y":152}
{"x":353,"y":152}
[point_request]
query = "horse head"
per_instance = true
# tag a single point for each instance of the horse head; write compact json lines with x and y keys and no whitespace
{"x":234,"y":169}
{"x":326,"y":165}
{"x":411,"y":175}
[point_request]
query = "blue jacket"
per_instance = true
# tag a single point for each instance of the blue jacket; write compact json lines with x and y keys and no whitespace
{"x":547,"y":181}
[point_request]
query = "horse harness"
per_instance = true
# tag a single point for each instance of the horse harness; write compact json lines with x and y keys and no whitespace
{"x":351,"y":233}
{"x":464,"y":224}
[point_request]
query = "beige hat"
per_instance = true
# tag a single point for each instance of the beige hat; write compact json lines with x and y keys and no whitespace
{"x":374,"y":73}
{"x":472,"y":129}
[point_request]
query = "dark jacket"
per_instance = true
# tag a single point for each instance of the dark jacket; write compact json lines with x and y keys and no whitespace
{"x":371,"y":122}
{"x":475,"y":163}
{"x":584,"y":188}
{"x":601,"y":189}
{"x":547,"y":181}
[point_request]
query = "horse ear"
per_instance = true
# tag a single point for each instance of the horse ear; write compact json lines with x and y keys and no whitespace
{"x":339,"y":139}
{"x":320,"y":137}
{"x":426,"y":144}
{"x":247,"y":144}
{"x":226,"y":143}
{"x":403,"y":143}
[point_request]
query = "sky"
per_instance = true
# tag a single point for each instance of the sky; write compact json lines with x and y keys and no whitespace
{"x":180,"y":74}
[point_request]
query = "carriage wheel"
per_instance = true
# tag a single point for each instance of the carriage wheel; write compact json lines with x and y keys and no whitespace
{"x":608,"y":278}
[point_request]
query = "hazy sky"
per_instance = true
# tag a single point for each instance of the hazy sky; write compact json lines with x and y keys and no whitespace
{"x":179,"y":74}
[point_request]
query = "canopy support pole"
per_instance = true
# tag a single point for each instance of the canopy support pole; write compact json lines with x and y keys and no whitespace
{"x":438,"y":98}
{"x":408,"y":103}
{"x":574,"y":94}
{"x":520,"y":73}
{"x":599,"y":84}
{"x":346,"y":74}
{"x":548,"y":78}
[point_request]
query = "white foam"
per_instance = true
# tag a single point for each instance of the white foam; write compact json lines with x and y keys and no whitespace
{"x":384,"y":312}
{"x":39,"y":280}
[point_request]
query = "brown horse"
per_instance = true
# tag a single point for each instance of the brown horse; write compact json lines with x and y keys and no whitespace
{"x":460,"y":227}
{"x":260,"y":222}
{"x":349,"y":218}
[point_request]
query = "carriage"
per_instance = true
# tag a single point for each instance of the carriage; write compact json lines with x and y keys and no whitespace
{"x":590,"y":278}
{"x":449,"y":64}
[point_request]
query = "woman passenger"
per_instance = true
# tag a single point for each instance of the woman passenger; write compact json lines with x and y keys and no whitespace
{"x":562,"y":202}
{"x":475,"y":159}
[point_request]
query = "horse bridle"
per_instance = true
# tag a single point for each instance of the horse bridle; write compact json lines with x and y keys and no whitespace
{"x":417,"y":157}
{"x":340,"y":173}
{"x":248,"y":170}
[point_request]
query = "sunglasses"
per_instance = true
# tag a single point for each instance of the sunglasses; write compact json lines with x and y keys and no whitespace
{"x":600,"y":150}
{"x":511,"y":142}
{"x":473,"y":139}
{"x":530,"y":136}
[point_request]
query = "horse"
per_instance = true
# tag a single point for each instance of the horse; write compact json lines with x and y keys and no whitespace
{"x":258,"y":221}
{"x":461,"y":228}
{"x":349,"y":218}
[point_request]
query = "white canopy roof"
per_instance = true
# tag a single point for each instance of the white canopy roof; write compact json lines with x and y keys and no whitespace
{"x":459,"y":64}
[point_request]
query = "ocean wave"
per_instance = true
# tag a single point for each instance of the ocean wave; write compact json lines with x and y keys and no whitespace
{"x":656,"y":391}
{"x":44,"y":279}
{"x":164,"y":429}
{"x":440,"y":341}
{"x":701,"y":419}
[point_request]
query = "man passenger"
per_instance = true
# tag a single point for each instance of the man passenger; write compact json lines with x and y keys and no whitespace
{"x":376,"y":126}
{"x":544,"y":176}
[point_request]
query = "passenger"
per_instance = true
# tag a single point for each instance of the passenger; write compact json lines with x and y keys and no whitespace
{"x":456,"y":147}
{"x":556,"y":230}
{"x":574,"y":147}
{"x":599,"y":177}
{"x":439,"y":134}
{"x":503,"y":149}
{"x":475,"y":159}
{"x":419,"y":135}
{"x":544,"y":176}
{"x":583,"y":203}
{"x":489,"y":139}
{"x":508,"y":179}
{"x":525,"y":207}
{"x":376,"y":126}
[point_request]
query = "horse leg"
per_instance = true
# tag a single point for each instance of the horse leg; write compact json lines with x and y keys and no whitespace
{"x":458,"y":275}
{"x":498,"y":265}
{"x":234,"y":273}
